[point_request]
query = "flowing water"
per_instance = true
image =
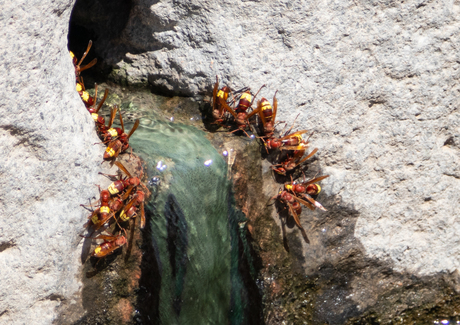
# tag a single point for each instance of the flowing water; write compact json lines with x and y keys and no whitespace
{"x":196,"y":236}
{"x":197,"y":266}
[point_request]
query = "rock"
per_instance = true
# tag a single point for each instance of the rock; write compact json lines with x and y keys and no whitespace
{"x":376,"y":82}
{"x":49,"y":165}
{"x":111,"y":286}
{"x":330,"y":280}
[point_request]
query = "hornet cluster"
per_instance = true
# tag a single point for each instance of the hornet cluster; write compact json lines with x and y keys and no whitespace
{"x":124,"y":198}
{"x":291,"y":146}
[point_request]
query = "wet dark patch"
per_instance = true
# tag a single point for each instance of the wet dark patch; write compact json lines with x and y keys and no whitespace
{"x":148,"y":295}
{"x":246,"y":298}
{"x":26,"y":138}
{"x":110,"y":284}
{"x":177,"y":247}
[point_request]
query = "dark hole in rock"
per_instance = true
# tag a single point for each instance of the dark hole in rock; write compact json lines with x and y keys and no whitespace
{"x":449,"y":142}
{"x":109,"y":24}
{"x":103,"y":23}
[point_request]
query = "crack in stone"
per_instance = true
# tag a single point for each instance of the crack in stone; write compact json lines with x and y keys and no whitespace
{"x":5,"y":246}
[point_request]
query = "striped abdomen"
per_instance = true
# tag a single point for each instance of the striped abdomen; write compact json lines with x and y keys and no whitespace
{"x":245,"y":101}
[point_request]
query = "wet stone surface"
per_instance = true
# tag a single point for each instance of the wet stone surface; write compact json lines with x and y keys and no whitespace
{"x":330,"y":280}
{"x":111,"y":284}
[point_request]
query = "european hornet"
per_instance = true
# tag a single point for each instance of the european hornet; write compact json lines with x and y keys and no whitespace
{"x":109,"y":133}
{"x":85,"y":97}
{"x":292,"y":162}
{"x":245,"y":101}
{"x":110,"y":244}
{"x":219,"y":100}
{"x":93,"y":110}
{"x":240,"y":115}
{"x":103,"y":129}
{"x":272,"y":143}
{"x":115,"y":204}
{"x":287,"y":140}
{"x":102,"y":212}
{"x":306,"y":190}
{"x":78,"y":68}
{"x":129,"y":211}
{"x":120,"y":185}
{"x":294,"y":141}
{"x":121,"y":144}
{"x":295,"y":209}
{"x":267,"y":115}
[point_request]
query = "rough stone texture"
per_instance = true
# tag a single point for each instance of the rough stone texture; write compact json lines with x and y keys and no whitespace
{"x":329,"y":281}
{"x":377,"y":81}
{"x":49,"y":165}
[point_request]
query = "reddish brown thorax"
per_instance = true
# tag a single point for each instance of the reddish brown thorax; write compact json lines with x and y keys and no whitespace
{"x":100,"y":125}
{"x":132,"y":181}
{"x":286,"y":196}
{"x":273,"y":143}
{"x":100,"y":120}
{"x":140,"y":196}
{"x":241,"y":119}
{"x":298,"y":188}
{"x":125,"y":141}
{"x":269,"y":129}
{"x":280,"y":171}
{"x":116,"y":204}
{"x":311,"y":189}
{"x":131,"y":212}
{"x":105,"y":197}
{"x":297,"y":207}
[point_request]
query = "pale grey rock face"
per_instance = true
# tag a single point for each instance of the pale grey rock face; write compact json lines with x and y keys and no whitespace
{"x":49,"y":165}
{"x":377,"y":82}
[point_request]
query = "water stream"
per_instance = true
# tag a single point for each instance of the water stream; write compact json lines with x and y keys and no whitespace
{"x":197,"y":236}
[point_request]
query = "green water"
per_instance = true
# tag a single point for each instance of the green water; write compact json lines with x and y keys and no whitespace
{"x":195,"y":229}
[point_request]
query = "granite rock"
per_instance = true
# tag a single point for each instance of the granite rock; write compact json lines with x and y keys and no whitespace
{"x":377,"y":81}
{"x":49,"y":164}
